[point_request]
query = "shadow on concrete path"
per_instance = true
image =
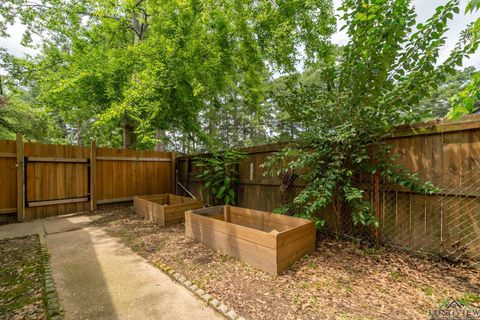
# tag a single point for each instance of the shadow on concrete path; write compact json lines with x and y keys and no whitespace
{"x":78,"y":275}
{"x":97,"y":277}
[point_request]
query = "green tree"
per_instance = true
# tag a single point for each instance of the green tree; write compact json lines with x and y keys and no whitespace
{"x":158,"y":68}
{"x":388,"y":66}
{"x":468,"y":100}
{"x":438,"y":101}
{"x":17,"y":115}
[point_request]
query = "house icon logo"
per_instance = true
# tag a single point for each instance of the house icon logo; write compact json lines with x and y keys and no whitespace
{"x":454,"y":310}
{"x":454,"y":305}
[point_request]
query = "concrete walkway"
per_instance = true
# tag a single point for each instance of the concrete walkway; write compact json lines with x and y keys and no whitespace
{"x":97,"y":277}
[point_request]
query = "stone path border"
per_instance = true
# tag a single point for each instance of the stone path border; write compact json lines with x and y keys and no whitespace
{"x":54,"y":310}
{"x":217,"y":305}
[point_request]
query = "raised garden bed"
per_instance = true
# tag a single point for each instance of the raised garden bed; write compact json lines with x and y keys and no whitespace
{"x":265,"y":240}
{"x":164,"y":209}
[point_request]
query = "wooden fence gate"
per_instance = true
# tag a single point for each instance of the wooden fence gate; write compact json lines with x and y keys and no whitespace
{"x":42,"y":180}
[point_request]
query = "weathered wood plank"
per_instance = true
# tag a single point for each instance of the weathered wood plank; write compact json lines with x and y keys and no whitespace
{"x":20,"y":179}
{"x":241,"y":232}
{"x":173,"y":173}
{"x":62,"y":160}
{"x":246,"y":217}
{"x":253,"y":253}
{"x":8,"y":155}
{"x":291,"y":248}
{"x":295,"y":233}
{"x":93,"y":176}
{"x":52,"y":202}
{"x":8,"y":210}
{"x":165,"y":209}
{"x":435,"y":128}
{"x":106,"y":201}
{"x":286,"y":263}
{"x":139,"y":159}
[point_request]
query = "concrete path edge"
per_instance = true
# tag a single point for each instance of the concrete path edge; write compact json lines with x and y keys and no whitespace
{"x":217,"y":305}
{"x":52,"y":303}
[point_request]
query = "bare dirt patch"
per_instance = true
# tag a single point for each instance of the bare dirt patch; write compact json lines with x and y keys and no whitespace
{"x":340,"y":280}
{"x":21,"y":279}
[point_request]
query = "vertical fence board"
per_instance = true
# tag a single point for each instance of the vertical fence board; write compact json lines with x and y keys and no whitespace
{"x":433,"y":148}
{"x":471,"y":231}
{"x":49,"y":183}
{"x":93,"y":176}
{"x":173,"y":185}
{"x":20,"y":179}
{"x":433,"y":232}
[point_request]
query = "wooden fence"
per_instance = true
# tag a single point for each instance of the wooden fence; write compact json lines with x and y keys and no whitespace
{"x":446,"y":153}
{"x":42,"y":180}
{"x":447,"y":222}
{"x":254,"y":190}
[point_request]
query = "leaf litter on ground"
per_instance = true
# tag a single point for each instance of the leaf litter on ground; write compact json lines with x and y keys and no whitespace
{"x":340,"y":280}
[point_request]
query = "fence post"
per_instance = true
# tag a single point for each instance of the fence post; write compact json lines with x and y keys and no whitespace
{"x":173,"y":156}
{"x":187,"y":165}
{"x":93,"y":176}
{"x":377,"y":209}
{"x":20,"y":179}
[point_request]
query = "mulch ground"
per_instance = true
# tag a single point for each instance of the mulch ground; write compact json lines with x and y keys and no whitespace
{"x":340,"y":280}
{"x":21,"y":279}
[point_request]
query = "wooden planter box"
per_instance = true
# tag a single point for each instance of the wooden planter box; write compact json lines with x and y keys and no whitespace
{"x":164,"y":209}
{"x":265,"y":240}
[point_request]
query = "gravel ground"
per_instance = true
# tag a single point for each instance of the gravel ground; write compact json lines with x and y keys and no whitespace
{"x":340,"y":280}
{"x":21,"y":279}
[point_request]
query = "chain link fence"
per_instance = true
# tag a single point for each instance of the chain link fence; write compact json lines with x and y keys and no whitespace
{"x":446,"y":223}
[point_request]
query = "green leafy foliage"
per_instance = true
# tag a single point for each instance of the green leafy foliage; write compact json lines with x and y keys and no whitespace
{"x":377,"y":82}
{"x":438,"y":102}
{"x":468,"y":100}
{"x":18,"y":116}
{"x":161,"y":66}
{"x":219,"y":171}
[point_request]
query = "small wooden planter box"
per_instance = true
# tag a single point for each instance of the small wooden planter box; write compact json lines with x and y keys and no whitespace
{"x":265,"y":240}
{"x":164,"y":209}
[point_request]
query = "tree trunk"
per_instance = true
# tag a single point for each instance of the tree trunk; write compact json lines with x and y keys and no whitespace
{"x":78,"y":135}
{"x":160,"y":136}
{"x":129,"y":137}
{"x":236,"y":121}
{"x":139,"y":28}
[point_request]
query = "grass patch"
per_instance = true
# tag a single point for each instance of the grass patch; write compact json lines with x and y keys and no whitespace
{"x":22,"y":292}
{"x":469,"y":298}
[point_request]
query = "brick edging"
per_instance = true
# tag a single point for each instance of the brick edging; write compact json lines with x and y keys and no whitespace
{"x":217,"y":305}
{"x":54,"y":310}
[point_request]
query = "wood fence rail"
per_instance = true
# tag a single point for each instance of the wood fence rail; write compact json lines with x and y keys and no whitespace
{"x":42,"y":180}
